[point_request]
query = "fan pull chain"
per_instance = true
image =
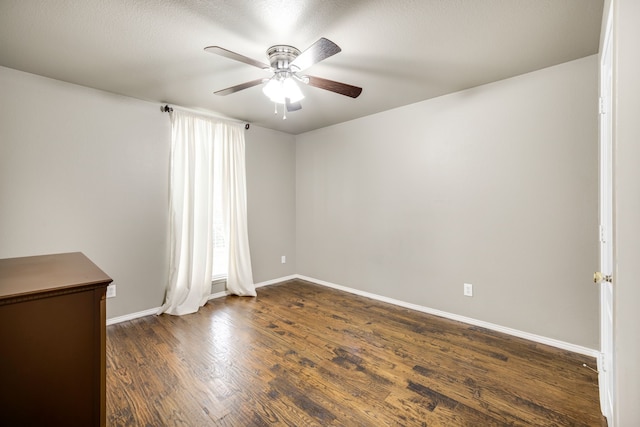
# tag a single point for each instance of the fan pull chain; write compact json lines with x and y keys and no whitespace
{"x":284,"y":110}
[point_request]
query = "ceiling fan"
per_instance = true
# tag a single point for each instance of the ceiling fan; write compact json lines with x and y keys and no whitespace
{"x":286,"y":62}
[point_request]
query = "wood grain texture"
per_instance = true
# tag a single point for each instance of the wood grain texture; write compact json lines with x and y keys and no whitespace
{"x":52,"y":341}
{"x":304,"y":355}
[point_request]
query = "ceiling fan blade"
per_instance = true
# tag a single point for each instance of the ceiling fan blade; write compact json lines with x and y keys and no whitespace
{"x":333,"y":86}
{"x":237,"y":88}
{"x":320,"y":50}
{"x":292,"y":106}
{"x":235,"y":56}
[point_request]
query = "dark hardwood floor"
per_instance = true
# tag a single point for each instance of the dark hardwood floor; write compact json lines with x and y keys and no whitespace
{"x":305,"y":355}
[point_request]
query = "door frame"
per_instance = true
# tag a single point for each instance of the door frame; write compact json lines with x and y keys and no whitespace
{"x":605,"y":362}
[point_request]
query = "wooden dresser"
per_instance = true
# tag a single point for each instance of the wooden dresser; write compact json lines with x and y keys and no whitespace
{"x":52,"y":341}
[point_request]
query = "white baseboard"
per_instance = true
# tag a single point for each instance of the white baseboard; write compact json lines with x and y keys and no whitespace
{"x":276,"y":281}
{"x":136,"y":315}
{"x":257,"y":285}
{"x":152,"y":311}
{"x":510,"y":331}
{"x":218,"y":295}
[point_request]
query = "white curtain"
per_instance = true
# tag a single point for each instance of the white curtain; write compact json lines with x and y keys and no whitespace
{"x":234,"y":197}
{"x":197,"y":144}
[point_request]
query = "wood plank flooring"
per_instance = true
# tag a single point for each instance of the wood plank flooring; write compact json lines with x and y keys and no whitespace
{"x":305,"y":355}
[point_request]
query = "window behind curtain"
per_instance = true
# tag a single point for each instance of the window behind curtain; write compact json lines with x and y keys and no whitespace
{"x":220,"y":252}
{"x":220,"y":268}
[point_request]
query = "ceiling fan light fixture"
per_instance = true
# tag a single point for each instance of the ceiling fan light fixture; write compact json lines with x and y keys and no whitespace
{"x":278,"y":88}
{"x":291,"y":90}
{"x":273,"y":90}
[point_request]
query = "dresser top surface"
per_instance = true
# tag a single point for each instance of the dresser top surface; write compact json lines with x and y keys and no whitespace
{"x":36,"y":274}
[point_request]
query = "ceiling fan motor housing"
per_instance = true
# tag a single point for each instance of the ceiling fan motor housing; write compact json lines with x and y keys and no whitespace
{"x":281,"y":56}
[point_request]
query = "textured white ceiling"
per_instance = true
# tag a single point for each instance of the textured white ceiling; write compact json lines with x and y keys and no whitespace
{"x":399,"y":51}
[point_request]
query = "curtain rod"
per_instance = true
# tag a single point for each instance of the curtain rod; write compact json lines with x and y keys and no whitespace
{"x":168,"y":109}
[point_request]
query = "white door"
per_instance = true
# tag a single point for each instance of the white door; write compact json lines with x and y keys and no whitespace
{"x":606,"y":378}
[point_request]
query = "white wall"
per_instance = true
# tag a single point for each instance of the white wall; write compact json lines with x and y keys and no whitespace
{"x":271,"y":202}
{"x":84,"y":170}
{"x":626,"y":282}
{"x":494,"y":186}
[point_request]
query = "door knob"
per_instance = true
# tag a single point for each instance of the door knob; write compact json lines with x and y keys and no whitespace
{"x":599,"y":277}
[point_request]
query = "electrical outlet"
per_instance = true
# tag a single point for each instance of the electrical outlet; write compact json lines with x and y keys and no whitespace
{"x":283,"y":259}
{"x":468,"y":290}
{"x":111,"y":291}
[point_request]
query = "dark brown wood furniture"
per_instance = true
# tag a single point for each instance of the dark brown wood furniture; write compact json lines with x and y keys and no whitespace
{"x":52,"y":341}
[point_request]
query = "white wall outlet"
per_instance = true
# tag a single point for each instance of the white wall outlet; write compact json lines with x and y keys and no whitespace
{"x":283,"y":259}
{"x":468,"y":290}
{"x":111,"y":291}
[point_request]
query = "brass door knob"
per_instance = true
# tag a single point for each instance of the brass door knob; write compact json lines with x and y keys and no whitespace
{"x":599,"y":277}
